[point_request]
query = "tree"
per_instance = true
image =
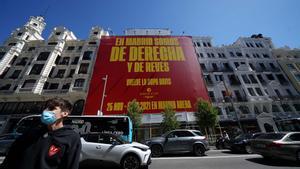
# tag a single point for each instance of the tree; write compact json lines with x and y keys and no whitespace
{"x":169,"y":119}
{"x":135,"y":111}
{"x":206,"y":115}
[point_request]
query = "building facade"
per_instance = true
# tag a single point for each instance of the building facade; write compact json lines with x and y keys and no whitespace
{"x":247,"y":81}
{"x":33,"y":69}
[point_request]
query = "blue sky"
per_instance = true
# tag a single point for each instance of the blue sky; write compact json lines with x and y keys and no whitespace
{"x":224,"y":20}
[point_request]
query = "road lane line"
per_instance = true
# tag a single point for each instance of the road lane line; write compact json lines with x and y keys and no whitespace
{"x":206,"y":157}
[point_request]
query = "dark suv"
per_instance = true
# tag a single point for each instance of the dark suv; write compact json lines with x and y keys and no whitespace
{"x":177,"y":141}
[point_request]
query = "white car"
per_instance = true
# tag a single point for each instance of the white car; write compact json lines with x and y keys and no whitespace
{"x":111,"y":148}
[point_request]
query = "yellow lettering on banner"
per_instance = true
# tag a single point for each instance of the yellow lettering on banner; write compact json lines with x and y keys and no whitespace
{"x":163,"y":104}
{"x":165,"y":81}
{"x":183,"y":104}
{"x":133,"y":82}
{"x":157,"y":67}
{"x":153,"y":105}
{"x":145,"y":105}
{"x":138,"y":66}
{"x":156,"y":53}
{"x":109,"y":107}
{"x":117,"y":54}
{"x":129,"y":66}
{"x":139,"y":41}
{"x":166,"y":41}
{"x":119,"y":41}
{"x":118,"y":106}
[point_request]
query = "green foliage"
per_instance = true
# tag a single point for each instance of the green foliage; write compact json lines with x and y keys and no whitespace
{"x":135,"y":111}
{"x":206,"y":114}
{"x":169,"y":119}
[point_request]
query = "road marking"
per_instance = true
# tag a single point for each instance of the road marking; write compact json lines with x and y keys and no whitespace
{"x":206,"y":157}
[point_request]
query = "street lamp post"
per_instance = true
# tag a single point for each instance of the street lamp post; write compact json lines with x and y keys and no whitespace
{"x":103,"y":93}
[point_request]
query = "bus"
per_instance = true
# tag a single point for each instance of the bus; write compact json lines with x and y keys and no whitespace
{"x":292,"y":124}
{"x":119,"y":125}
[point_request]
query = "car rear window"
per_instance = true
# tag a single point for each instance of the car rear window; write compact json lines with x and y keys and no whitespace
{"x":198,"y":133}
{"x":271,"y":136}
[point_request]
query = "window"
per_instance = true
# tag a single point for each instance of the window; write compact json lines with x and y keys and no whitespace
{"x":236,"y":64}
{"x":72,"y":71}
{"x":281,"y":79}
{"x":22,"y":62}
{"x":66,"y":86}
{"x":87,"y":55}
{"x":215,"y":67}
{"x":36,"y":69}
{"x":57,"y":33}
{"x":20,"y":34}
{"x":289,"y":92}
{"x":11,"y":44}
{"x":239,"y":54}
{"x":277,"y":92}
{"x":294,"y":137}
{"x":291,"y":66}
{"x":202,"y":66}
{"x":201,"y":55}
{"x":43,"y":56}
{"x":92,"y":43}
{"x":263,"y":67}
{"x":251,"y":66}
{"x":79,"y":47}
{"x":286,"y":108}
{"x":260,"y":78}
{"x":28,"y":83}
{"x":208,"y":44}
{"x":244,"y":109}
{"x":75,"y":61}
{"x":297,"y":76}
{"x":266,"y":56}
{"x":297,"y":107}
{"x":5,"y":87}
{"x":275,"y":108}
{"x":219,"y":78}
{"x":253,"y":79}
{"x":60,"y":73}
{"x":13,"y":60}
{"x":272,"y":66}
{"x":227,"y":66}
{"x":2,"y":55}
{"x":52,"y":43}
{"x":259,"y":92}
{"x":270,"y":77}
{"x":231,"y":54}
{"x":51,"y":72}
{"x":211,"y":95}
{"x":247,"y":55}
{"x":15,"y":75}
{"x":31,"y":49}
{"x":53,"y":86}
{"x":198,"y":44}
{"x":46,"y":85}
{"x":79,"y":83}
{"x":4,"y":72}
{"x":65,"y":61}
{"x":251,"y":91}
{"x":83,"y":68}
{"x":71,"y":48}
{"x":245,"y":78}
{"x":57,"y":59}
{"x":95,"y":33}
{"x":204,"y":44}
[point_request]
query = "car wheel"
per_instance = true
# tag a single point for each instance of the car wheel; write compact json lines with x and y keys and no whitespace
{"x":130,"y":162}
{"x":199,"y":150}
{"x":266,"y":157}
{"x":156,"y":151}
{"x":144,"y":167}
{"x":248,"y":149}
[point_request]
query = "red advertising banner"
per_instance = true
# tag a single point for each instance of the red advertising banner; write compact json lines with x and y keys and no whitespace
{"x":155,"y":70}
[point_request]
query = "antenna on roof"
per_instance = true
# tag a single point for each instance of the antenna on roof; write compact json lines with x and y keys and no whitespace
{"x":47,"y":9}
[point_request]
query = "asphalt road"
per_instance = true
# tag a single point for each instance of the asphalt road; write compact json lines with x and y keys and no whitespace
{"x":214,"y":159}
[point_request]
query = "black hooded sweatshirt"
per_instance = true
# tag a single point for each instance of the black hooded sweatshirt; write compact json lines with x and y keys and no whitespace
{"x":43,"y":149}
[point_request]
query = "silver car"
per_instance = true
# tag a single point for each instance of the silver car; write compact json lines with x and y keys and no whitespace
{"x":111,"y":148}
{"x":178,"y":141}
{"x":284,"y":145}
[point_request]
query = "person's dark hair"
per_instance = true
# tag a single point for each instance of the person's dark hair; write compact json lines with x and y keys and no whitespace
{"x":63,"y":104}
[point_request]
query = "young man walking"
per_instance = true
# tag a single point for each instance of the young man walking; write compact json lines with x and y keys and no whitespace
{"x":51,"y":146}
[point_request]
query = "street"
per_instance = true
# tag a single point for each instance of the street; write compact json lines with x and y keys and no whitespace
{"x":214,"y":159}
